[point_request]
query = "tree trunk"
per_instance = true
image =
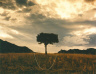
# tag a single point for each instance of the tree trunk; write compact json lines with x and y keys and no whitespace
{"x":45,"y":49}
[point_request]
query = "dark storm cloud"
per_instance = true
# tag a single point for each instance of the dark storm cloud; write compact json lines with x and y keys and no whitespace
{"x":24,"y":2}
{"x":86,"y":22}
{"x":39,"y":18}
{"x":46,"y":23}
{"x":1,"y":3}
{"x":21,"y":2}
{"x":7,"y":18}
{"x":30,"y":3}
{"x":7,"y":4}
{"x":90,"y":0}
{"x":10,"y":4}
{"x":92,"y":41}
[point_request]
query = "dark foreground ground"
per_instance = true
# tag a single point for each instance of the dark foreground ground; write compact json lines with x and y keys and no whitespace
{"x":25,"y":63}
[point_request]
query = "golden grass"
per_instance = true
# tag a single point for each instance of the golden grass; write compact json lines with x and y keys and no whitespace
{"x":24,"y":63}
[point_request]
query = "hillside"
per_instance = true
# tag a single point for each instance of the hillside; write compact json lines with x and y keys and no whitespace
{"x":7,"y":47}
{"x":77,"y":51}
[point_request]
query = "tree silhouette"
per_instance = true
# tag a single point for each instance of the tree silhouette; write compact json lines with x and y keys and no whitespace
{"x":47,"y":38}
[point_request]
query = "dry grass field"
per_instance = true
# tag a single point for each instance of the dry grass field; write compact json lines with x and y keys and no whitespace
{"x":25,"y":63}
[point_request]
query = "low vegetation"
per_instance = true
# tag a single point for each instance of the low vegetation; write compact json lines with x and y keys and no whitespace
{"x":78,"y":51}
{"x":24,"y":63}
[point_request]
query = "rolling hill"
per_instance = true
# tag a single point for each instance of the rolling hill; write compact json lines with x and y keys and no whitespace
{"x":77,"y":51}
{"x":7,"y":47}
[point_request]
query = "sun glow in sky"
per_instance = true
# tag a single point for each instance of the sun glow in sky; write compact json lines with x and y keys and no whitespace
{"x":5,"y":35}
{"x":65,"y":9}
{"x":73,"y":20}
{"x":85,"y":31}
{"x":95,"y":15}
{"x":1,"y":10}
{"x":90,"y":31}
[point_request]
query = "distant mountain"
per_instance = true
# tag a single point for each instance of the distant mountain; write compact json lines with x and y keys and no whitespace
{"x":7,"y":47}
{"x":88,"y":51}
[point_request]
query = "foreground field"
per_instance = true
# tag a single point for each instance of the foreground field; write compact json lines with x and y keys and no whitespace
{"x":25,"y":63}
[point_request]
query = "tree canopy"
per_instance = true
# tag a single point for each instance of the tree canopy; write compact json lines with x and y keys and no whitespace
{"x":47,"y":38}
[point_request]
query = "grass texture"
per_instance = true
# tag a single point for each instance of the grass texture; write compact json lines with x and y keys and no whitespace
{"x":25,"y":63}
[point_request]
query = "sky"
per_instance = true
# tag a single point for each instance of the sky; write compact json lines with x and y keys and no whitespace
{"x":73,"y":20}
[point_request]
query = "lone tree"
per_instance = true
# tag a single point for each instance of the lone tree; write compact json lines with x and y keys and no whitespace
{"x":47,"y":38}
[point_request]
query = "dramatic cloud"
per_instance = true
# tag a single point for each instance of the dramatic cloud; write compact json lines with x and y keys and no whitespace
{"x":73,"y":20}
{"x":92,"y":41}
{"x":22,"y":2}
{"x":90,"y":0}
{"x":65,"y":9}
{"x":74,"y":41}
